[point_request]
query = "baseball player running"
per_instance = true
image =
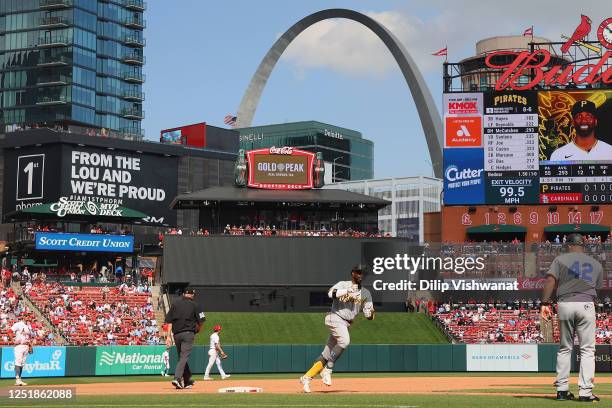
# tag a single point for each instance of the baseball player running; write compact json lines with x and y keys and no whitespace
{"x":23,"y":347}
{"x":349,"y":298}
{"x":576,"y":276}
{"x":215,"y":354}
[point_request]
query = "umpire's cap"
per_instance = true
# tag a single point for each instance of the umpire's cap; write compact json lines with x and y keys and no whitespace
{"x":358,"y":268}
{"x":574,"y":239}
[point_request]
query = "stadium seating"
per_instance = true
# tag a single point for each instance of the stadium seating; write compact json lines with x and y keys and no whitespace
{"x":93,"y":315}
{"x":12,"y":309}
{"x":485,"y":324}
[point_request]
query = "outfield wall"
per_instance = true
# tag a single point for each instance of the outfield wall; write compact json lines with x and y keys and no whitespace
{"x":147,"y":360}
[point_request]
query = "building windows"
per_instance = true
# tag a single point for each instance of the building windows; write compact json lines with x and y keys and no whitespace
{"x":53,"y":58}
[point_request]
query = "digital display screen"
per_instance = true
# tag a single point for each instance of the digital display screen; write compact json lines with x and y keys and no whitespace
{"x":546,"y":147}
{"x":173,"y":136}
{"x":280,"y":171}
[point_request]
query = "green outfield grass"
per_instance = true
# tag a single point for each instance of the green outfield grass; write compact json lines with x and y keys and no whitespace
{"x":308,"y":328}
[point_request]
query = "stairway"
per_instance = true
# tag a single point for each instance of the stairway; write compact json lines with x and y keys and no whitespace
{"x":158,"y":309}
{"x":59,"y":339}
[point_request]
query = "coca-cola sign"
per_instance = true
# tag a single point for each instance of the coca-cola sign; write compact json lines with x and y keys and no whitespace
{"x":531,"y":283}
{"x":281,"y":150}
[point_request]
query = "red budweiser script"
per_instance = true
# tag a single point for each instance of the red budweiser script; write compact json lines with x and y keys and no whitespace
{"x":530,"y":65}
{"x":281,"y":150}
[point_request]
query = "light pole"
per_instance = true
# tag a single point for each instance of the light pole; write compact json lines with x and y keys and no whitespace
{"x":334,"y":168}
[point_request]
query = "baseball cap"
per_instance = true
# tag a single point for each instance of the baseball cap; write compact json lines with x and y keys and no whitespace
{"x":189,"y":291}
{"x":217,"y":328}
{"x":583,"y":106}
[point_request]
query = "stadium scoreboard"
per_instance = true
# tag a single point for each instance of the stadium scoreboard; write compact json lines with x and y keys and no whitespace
{"x":498,"y":146}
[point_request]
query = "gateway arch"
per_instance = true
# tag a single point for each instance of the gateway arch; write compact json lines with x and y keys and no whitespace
{"x":428,"y":113}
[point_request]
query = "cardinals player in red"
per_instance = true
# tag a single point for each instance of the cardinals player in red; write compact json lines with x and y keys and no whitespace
{"x":583,"y":29}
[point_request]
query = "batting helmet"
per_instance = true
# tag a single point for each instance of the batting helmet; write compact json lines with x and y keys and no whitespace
{"x":217,"y":328}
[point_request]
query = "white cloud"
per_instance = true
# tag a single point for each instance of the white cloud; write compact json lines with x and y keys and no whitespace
{"x":349,"y":48}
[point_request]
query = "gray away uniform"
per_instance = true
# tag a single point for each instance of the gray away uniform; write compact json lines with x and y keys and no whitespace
{"x":343,"y":312}
{"x":577,"y":275}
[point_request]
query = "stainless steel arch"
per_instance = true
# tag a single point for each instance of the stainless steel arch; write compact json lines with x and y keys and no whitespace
{"x":428,"y":112}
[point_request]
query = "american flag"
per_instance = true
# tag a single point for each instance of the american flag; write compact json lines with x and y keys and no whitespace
{"x":528,"y":32}
{"x":230,"y":120}
{"x":443,"y":52}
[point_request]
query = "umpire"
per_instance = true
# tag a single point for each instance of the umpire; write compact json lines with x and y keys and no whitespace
{"x":576,"y":276}
{"x":184,"y":319}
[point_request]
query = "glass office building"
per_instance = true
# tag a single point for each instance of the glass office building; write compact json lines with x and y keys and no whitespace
{"x":411,"y":198}
{"x":72,"y":62}
{"x":350,"y":156}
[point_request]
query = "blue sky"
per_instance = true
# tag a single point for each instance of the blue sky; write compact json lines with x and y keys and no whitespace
{"x":201,"y":55}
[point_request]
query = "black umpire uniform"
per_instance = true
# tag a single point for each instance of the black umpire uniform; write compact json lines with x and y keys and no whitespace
{"x":186,"y":318}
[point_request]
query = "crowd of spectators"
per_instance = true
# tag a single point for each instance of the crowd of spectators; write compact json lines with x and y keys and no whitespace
{"x":271,"y":230}
{"x":13,"y":309}
{"x":511,"y":321}
{"x":85,"y":315}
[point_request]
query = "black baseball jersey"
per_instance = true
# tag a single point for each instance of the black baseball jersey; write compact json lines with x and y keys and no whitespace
{"x":184,"y":314}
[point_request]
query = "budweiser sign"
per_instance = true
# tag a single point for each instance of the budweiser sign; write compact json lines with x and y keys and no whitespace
{"x":281,"y":150}
{"x":532,"y":64}
{"x":531,"y":283}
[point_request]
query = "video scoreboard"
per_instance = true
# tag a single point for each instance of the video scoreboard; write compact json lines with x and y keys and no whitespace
{"x":498,"y":146}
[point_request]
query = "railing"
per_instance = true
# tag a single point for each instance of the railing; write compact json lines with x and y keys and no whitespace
{"x":51,"y":100}
{"x":132,"y":113}
{"x":134,"y":58}
{"x":60,"y":41}
{"x":59,"y":80}
{"x":133,"y":95}
{"x":59,"y":60}
{"x":133,"y":133}
{"x":133,"y":76}
{"x":135,"y":4}
{"x":135,"y":22}
{"x":55,"y":3}
{"x":54,"y":21}
{"x":134,"y":40}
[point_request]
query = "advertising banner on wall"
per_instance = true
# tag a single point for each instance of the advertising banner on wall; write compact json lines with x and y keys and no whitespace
{"x":502,"y":357}
{"x":44,"y":362}
{"x":463,"y":176}
{"x":50,"y":241}
{"x":139,"y":181}
{"x":122,"y":360}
